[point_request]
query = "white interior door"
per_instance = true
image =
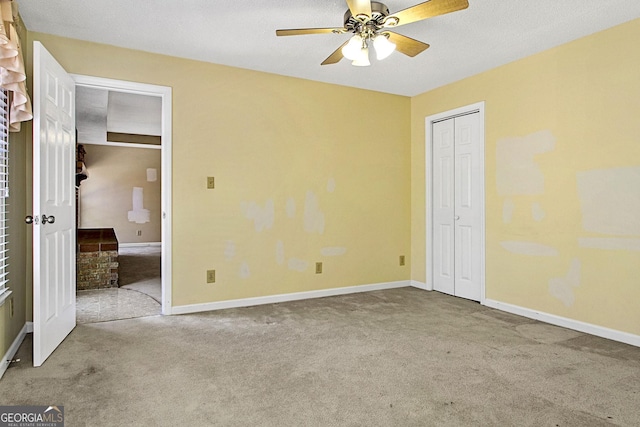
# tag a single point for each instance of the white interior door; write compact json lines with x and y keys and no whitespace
{"x":54,"y":275}
{"x":457,"y":206}
{"x":467,"y":215}
{"x":443,"y":207}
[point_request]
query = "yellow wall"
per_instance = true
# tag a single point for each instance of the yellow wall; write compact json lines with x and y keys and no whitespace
{"x":19,"y":235}
{"x":268,"y":138}
{"x":585,"y":96}
{"x":10,"y":325}
{"x":105,"y":198}
{"x":271,"y":139}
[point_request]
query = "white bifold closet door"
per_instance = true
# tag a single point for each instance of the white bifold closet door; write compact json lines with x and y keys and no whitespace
{"x":456,"y":206}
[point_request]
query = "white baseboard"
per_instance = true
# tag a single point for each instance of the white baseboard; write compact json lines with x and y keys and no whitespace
{"x":29,"y":327}
{"x":420,"y":285}
{"x":576,"y":325}
{"x":272,"y":299}
{"x":4,"y":364}
{"x":137,"y":245}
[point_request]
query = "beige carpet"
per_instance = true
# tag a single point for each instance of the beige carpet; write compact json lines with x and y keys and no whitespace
{"x":400,"y":357}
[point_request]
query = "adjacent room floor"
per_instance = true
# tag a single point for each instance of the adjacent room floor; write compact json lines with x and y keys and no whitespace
{"x":401,"y":357}
{"x":139,"y":294}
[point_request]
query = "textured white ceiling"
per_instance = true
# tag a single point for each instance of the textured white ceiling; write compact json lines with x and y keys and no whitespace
{"x":99,"y":111}
{"x":132,"y":113}
{"x":241,"y":33}
{"x":91,"y":114}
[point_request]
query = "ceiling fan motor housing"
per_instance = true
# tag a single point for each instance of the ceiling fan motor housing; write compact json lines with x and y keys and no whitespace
{"x":379,"y":12}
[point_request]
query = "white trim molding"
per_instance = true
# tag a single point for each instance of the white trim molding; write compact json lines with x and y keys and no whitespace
{"x":420,"y":285}
{"x":565,"y":322}
{"x":165,"y":93}
{"x":4,"y":364}
{"x":139,"y":245}
{"x":124,"y":144}
{"x":273,"y":299}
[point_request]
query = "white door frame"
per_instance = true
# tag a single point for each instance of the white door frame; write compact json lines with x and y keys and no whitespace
{"x":473,"y":108}
{"x":165,"y":93}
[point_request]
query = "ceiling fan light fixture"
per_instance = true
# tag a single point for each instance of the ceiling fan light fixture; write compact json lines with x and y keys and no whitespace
{"x":367,"y":21}
{"x":383,"y":46}
{"x":391,"y":21}
{"x":363,"y":58}
{"x":352,"y":49}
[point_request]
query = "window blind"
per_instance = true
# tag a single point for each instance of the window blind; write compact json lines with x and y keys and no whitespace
{"x":4,"y":190}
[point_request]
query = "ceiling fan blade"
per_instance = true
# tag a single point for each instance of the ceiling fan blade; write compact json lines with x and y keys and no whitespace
{"x":336,"y":56}
{"x":359,"y":7}
{"x":302,"y":31}
{"x":426,"y":10}
{"x":407,"y":45}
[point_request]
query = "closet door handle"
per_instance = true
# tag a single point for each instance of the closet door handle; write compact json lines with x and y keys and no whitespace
{"x":456,"y":217}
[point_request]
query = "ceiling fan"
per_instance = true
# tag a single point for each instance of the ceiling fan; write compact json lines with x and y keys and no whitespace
{"x":369,"y":21}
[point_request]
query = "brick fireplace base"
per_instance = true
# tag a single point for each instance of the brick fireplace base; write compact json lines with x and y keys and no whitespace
{"x":97,"y":259}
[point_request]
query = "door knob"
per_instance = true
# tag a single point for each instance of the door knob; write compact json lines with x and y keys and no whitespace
{"x":48,"y":219}
{"x":28,"y":219}
{"x":455,"y":217}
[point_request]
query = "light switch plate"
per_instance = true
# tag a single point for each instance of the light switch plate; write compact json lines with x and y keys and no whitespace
{"x":211,"y":276}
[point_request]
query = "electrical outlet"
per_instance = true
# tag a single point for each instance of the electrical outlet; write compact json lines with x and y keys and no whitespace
{"x":211,"y":182}
{"x":139,"y":233}
{"x":402,"y":262}
{"x":318,"y":268}
{"x":211,"y":276}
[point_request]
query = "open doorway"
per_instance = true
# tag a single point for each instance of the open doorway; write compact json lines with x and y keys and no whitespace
{"x":123,"y":138}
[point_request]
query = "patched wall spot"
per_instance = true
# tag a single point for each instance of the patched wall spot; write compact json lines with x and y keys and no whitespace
{"x":610,"y":201}
{"x":263,"y":217}
{"x":280,"y":252}
{"x":333,"y":251}
{"x":517,"y":172}
{"x":537,"y":213}
{"x":245,"y":272}
{"x":562,"y":287}
{"x":229,"y":250}
{"x":609,"y":243}
{"x":313,"y":216}
{"x":331,"y":185}
{"x":508,"y":207}
{"x":139,"y":214}
{"x":529,"y":248}
{"x":296,"y":264}
{"x":152,"y":175}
